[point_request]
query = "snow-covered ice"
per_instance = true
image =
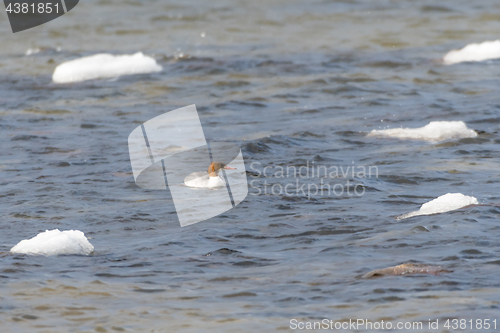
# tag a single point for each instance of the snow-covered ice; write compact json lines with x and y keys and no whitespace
{"x":434,"y":131}
{"x":442,"y":204}
{"x":55,"y":242}
{"x":474,"y":52}
{"x":104,"y":65}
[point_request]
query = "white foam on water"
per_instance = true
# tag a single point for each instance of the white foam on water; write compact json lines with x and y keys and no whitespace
{"x":104,"y":65}
{"x":434,"y":131}
{"x":474,"y":52}
{"x":442,"y":204}
{"x":55,"y":242}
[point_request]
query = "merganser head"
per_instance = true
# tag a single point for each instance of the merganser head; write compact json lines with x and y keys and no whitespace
{"x":213,"y":169}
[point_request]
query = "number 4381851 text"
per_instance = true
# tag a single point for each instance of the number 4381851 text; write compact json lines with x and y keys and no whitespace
{"x":26,"y":8}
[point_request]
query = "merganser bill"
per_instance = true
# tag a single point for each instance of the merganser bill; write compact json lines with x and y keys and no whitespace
{"x":210,"y":179}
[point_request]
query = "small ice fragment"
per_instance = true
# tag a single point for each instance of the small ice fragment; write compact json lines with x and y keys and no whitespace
{"x":474,"y":52}
{"x":104,"y":65}
{"x":442,"y":204}
{"x":32,"y":51}
{"x":434,"y":131}
{"x":55,"y":242}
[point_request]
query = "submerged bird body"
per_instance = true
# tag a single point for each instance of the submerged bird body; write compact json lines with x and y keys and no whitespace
{"x":210,"y":179}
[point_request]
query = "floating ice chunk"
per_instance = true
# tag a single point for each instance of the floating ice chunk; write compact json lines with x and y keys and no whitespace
{"x":474,"y":52}
{"x":406,"y":269}
{"x":434,"y":131}
{"x":442,"y":204}
{"x":104,"y":65}
{"x":55,"y":242}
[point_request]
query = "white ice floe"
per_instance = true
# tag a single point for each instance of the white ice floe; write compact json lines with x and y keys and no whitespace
{"x":104,"y":65}
{"x":442,"y":204}
{"x":55,"y":242}
{"x":434,"y":131}
{"x":474,"y":52}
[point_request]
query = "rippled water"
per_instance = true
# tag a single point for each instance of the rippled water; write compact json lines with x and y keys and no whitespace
{"x":292,"y":83}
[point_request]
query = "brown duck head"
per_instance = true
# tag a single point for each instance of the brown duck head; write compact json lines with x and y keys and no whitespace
{"x":213,"y":169}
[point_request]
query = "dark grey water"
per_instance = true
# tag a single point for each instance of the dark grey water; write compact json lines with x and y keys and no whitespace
{"x":291,"y":83}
